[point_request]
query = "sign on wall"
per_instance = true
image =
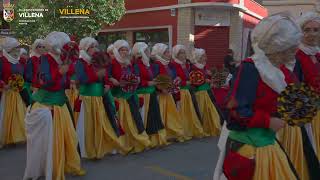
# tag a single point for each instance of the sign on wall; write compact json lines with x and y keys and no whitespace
{"x":212,"y":17}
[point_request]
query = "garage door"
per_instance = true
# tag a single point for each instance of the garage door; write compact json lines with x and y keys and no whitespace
{"x":215,"y":40}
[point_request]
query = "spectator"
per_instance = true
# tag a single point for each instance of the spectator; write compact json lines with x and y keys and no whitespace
{"x":229,"y":62}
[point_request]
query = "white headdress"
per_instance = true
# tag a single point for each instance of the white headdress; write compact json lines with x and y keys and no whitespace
{"x":117,"y":45}
{"x":10,"y":43}
{"x":273,"y":34}
{"x":303,"y":20}
{"x":84,"y":45}
{"x":54,"y":42}
{"x":138,"y":51}
{"x":197,"y":53}
{"x":175,"y":51}
{"x":34,"y":46}
{"x":158,"y":51}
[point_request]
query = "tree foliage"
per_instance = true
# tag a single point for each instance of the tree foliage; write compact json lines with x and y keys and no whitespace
{"x":102,"y":12}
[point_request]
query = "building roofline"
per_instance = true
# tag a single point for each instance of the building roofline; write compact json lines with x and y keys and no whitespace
{"x":288,"y":2}
{"x":199,"y":4}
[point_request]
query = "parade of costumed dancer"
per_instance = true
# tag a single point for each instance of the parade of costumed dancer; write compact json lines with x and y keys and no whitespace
{"x":188,"y":108}
{"x":209,"y":114}
{"x":150,"y":111}
{"x":51,"y":138}
{"x":31,"y":71}
{"x":168,"y":110}
{"x":250,"y":149}
{"x":308,"y":56}
{"x":12,"y":105}
{"x":129,"y":115}
{"x":96,"y":135}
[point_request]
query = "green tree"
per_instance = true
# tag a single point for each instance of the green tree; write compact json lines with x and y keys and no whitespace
{"x":102,"y":12}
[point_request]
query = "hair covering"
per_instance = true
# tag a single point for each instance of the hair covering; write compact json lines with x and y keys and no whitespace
{"x":303,"y":20}
{"x":8,"y":44}
{"x":110,"y":48}
{"x":175,"y":51}
{"x":84,"y":45}
{"x":120,"y":44}
{"x":55,"y":41}
{"x":273,"y":34}
{"x":158,"y":51}
{"x":34,"y":46}
{"x":138,"y":51}
{"x":307,"y":17}
{"x":197,"y":53}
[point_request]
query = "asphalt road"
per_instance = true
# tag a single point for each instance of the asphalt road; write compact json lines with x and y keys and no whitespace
{"x":192,"y":160}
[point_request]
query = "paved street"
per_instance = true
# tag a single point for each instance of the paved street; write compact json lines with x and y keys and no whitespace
{"x":192,"y":160}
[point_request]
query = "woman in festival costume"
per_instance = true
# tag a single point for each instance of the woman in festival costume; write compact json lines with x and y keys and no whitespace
{"x":95,"y":133}
{"x":51,"y":138}
{"x":150,"y":111}
{"x":308,"y":57}
{"x":250,"y":149}
{"x":31,"y":72}
{"x":188,"y":107}
{"x":129,"y":115}
{"x":12,"y":106}
{"x":209,"y":114}
{"x":168,"y":110}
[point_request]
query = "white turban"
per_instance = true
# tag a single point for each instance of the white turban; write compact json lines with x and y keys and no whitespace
{"x":273,"y":34}
{"x":84,"y":45}
{"x":9,"y":44}
{"x":55,"y":41}
{"x":175,"y":51}
{"x":110,"y":48}
{"x":118,"y":45}
{"x":197,"y":53}
{"x":138,"y":51}
{"x":276,"y":33}
{"x":307,"y":17}
{"x":303,"y":20}
{"x":158,"y":51}
{"x":34,"y":46}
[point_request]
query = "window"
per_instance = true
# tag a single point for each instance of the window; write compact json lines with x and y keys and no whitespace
{"x":153,"y":36}
{"x":105,"y":39}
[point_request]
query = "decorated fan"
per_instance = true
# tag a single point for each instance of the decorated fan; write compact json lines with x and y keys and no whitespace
{"x":175,"y":87}
{"x":163,"y":81}
{"x":130,"y":82}
{"x":197,"y":78}
{"x":297,"y":104}
{"x":16,"y":82}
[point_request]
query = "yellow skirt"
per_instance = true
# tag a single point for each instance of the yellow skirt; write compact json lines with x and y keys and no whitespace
{"x":210,"y":117}
{"x":170,"y":117}
{"x":65,"y":154}
{"x":189,"y":119}
{"x":72,"y":95}
{"x":316,"y":132}
{"x":270,"y":162}
{"x":13,"y":127}
{"x":291,"y":140}
{"x":100,"y":138}
{"x":158,"y":139}
{"x":132,"y":138}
